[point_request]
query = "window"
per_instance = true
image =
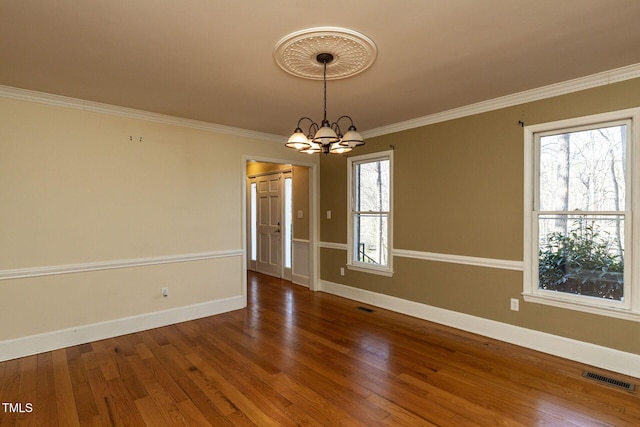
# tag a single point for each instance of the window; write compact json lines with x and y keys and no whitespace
{"x":578,"y":213}
{"x":254,"y":222}
{"x":288,"y":222}
{"x":370,"y":207}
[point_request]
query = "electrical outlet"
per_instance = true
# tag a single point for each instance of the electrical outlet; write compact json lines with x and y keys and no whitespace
{"x":515,"y":304}
{"x":165,"y":292}
{"x":342,"y":271}
{"x":328,"y":214}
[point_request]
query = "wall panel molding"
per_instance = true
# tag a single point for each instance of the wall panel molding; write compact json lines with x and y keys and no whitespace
{"x":579,"y":351}
{"x":114,"y":264}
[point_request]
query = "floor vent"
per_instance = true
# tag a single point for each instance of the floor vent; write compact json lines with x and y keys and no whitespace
{"x":607,"y":380}
{"x":368,"y":310}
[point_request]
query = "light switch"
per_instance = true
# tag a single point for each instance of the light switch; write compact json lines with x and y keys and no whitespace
{"x":300,"y":214}
{"x":328,"y":214}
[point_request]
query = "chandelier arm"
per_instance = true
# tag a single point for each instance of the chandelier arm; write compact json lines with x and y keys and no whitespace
{"x":336,"y":127}
{"x":345,"y":117}
{"x":313,"y":128}
{"x":305,"y":117}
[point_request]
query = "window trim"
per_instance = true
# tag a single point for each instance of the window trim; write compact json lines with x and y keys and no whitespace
{"x":628,"y":309}
{"x":358,"y":266}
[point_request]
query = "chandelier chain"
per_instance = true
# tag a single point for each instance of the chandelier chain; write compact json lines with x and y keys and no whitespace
{"x":324,"y":78}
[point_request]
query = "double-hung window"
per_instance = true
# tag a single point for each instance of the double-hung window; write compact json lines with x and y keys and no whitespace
{"x":370,"y":207}
{"x":580,"y":194}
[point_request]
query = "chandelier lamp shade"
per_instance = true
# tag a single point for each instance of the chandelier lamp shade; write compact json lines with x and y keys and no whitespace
{"x":327,"y":137}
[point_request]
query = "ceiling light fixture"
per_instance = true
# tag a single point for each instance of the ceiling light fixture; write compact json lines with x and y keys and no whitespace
{"x":328,"y":137}
{"x":304,"y":54}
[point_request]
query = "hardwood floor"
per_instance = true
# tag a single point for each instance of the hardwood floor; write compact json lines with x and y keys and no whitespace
{"x":295,"y":357}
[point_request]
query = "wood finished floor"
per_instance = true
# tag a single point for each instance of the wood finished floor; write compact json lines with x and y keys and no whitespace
{"x":294,"y":357}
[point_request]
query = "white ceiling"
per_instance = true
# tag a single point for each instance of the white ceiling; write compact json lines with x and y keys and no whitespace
{"x":212,"y":60}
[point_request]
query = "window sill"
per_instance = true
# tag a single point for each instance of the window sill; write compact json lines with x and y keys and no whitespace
{"x":380,"y":272}
{"x":619,"y":313}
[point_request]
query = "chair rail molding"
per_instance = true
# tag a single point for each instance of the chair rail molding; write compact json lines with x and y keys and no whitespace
{"x":114,"y":264}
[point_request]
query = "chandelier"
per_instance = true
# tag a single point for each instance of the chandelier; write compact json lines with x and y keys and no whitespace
{"x":306,"y":53}
{"x":328,"y":137}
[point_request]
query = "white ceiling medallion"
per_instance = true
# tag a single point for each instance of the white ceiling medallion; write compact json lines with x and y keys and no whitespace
{"x":352,"y":52}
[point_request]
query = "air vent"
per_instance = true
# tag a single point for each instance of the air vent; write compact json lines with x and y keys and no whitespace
{"x":368,"y":310}
{"x":608,"y":380}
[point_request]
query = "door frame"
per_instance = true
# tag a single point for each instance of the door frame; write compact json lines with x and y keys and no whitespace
{"x":314,"y":206}
{"x":282,"y":174}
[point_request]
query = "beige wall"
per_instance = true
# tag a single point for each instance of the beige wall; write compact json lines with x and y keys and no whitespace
{"x":75,"y":189}
{"x":458,"y":189}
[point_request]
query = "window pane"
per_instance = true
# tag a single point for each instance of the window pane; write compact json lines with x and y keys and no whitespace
{"x":370,"y":237}
{"x":582,"y":255}
{"x":583,"y":170}
{"x":254,"y":221}
{"x":288,"y":223}
{"x":372,"y":186}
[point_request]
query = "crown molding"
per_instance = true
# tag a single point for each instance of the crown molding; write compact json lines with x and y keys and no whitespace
{"x":97,"y":107}
{"x":595,"y":80}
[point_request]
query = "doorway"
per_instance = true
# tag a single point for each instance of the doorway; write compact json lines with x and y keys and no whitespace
{"x":279,"y":220}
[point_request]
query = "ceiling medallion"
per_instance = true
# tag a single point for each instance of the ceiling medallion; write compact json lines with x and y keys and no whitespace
{"x":352,"y":53}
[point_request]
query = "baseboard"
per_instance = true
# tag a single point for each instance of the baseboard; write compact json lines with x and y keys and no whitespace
{"x":579,"y":351}
{"x":34,"y":344}
{"x":299,"y":279}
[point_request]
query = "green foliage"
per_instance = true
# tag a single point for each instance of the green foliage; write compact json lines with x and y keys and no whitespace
{"x":581,"y":262}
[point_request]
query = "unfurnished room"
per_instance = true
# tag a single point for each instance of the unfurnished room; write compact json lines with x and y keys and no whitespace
{"x":335,"y":213}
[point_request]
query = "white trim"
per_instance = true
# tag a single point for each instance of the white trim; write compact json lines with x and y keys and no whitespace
{"x":372,"y":270}
{"x":460,"y":259}
{"x":550,"y":299}
{"x":273,"y":172}
{"x":34,"y":344}
{"x":582,"y":83}
{"x":114,"y":264}
{"x":114,"y":110}
{"x":432,"y":256}
{"x":579,"y":351}
{"x":333,"y":245}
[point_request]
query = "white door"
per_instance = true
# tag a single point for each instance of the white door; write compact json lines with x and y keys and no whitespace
{"x":269,"y":229}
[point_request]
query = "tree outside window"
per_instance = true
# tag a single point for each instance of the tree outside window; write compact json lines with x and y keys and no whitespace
{"x":581,"y":202}
{"x":370,"y":212}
